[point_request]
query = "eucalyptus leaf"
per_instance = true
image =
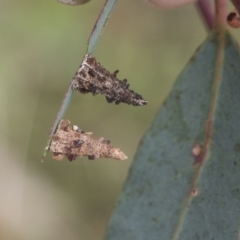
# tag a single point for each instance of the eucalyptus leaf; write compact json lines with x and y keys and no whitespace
{"x":74,"y":2}
{"x":184,"y":183}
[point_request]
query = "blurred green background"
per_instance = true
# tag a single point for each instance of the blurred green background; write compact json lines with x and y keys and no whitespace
{"x":42,"y":45}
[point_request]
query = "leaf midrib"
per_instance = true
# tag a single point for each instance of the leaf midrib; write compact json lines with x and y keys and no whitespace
{"x":221,"y":38}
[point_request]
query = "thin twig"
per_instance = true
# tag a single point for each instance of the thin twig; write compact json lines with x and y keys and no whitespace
{"x":65,"y":103}
{"x":207,"y":12}
{"x":93,"y":40}
{"x":100,"y":23}
{"x":236,"y":3}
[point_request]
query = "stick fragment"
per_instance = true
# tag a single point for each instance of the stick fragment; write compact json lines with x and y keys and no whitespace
{"x":71,"y":142}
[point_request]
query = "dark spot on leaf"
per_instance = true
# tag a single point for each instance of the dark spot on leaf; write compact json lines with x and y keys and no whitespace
{"x":237,"y":147}
{"x":155,"y":220}
{"x":178,"y":97}
{"x":140,"y":143}
{"x":140,"y":191}
{"x":192,"y":59}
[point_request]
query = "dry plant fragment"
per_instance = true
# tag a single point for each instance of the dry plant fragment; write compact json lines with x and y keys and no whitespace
{"x":92,"y":77}
{"x":72,"y":143}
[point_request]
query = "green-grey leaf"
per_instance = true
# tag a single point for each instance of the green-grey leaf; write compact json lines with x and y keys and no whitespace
{"x":169,"y":193}
{"x":73,"y":2}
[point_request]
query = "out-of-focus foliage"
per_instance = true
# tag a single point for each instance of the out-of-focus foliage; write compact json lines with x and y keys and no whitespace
{"x":42,"y":45}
